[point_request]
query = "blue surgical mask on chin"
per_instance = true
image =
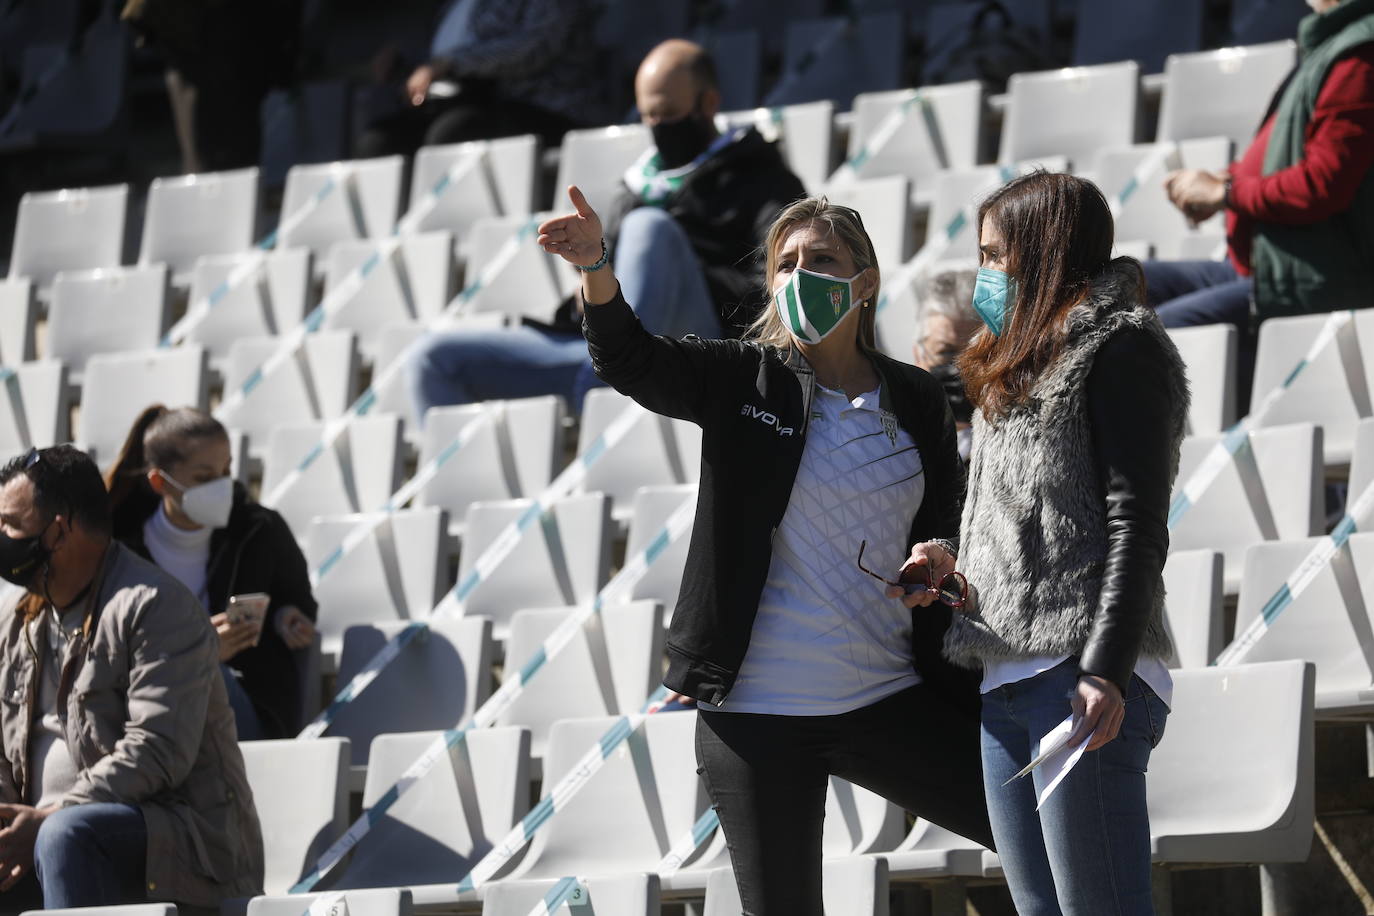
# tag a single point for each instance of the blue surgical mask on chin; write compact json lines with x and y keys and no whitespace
{"x":994,"y":293}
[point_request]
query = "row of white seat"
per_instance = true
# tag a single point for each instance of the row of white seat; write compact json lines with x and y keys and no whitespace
{"x":1232,"y":782}
{"x":1072,"y":113}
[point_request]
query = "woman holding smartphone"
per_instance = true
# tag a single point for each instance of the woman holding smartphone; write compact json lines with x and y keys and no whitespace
{"x":823,"y":463}
{"x":173,"y":502}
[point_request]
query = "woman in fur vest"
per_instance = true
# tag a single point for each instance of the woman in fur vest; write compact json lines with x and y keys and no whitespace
{"x":1080,"y":399}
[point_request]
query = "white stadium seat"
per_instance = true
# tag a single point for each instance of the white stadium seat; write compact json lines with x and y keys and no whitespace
{"x":649,"y":511}
{"x":499,"y":182}
{"x":647,"y":456}
{"x":382,"y":901}
{"x":957,"y":111}
{"x":413,"y":284}
{"x":608,"y":895}
{"x":522,"y":282}
{"x":38,"y":416}
{"x":931,"y":851}
{"x":1103,"y":100}
{"x":111,"y":310}
{"x":119,"y":386}
{"x":1147,"y":213}
{"x":364,"y":202}
{"x":269,"y":303}
{"x":854,"y":886}
{"x":1209,"y":354}
{"x":595,"y":160}
{"x":18,"y":320}
{"x":301,"y":796}
{"x":1193,"y":606}
{"x":74,"y":229}
{"x":885,"y":204}
{"x":191,"y":216}
{"x":1223,"y":92}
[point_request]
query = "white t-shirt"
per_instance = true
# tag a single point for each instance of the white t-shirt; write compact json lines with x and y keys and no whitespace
{"x":184,"y":554}
{"x":1152,"y":671}
{"x":826,"y":640}
{"x":51,"y":767}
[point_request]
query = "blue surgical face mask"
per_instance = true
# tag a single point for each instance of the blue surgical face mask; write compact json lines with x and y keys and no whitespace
{"x":994,"y":293}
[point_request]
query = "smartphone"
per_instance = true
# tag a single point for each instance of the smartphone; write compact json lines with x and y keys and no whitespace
{"x":248,"y":608}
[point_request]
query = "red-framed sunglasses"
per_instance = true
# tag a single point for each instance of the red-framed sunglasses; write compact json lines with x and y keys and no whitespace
{"x":952,"y":588}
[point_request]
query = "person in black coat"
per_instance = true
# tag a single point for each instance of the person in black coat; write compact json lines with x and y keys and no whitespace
{"x":173,"y":502}
{"x":685,"y":230}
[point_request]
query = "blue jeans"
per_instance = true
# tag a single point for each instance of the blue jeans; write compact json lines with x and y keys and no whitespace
{"x":1087,"y":851}
{"x":660,"y":277}
{"x":92,"y":855}
{"x":246,"y":721}
{"x":1188,"y":293}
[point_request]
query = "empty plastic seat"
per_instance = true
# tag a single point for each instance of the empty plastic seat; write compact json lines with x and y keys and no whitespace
{"x":18,"y":319}
{"x":74,"y":229}
{"x":448,"y":820}
{"x":271,"y":302}
{"x":837,"y":58}
{"x":316,"y":385}
{"x":1193,"y":606}
{"x":1232,"y":780}
{"x":513,"y":281}
{"x":515,"y":454}
{"x":105,"y":311}
{"x":854,"y":886}
{"x":649,"y":511}
{"x":596,"y":159}
{"x":437,"y":682}
{"x":1332,"y":389}
{"x":562,"y":560}
{"x":364,"y":202}
{"x":1146,"y":211}
{"x":1362,"y":459}
{"x":1103,"y":100}
{"x":189,"y":216}
{"x":119,"y":386}
{"x":648,"y":454}
{"x":610,"y":667}
{"x":500,"y":183}
{"x":300,"y":791}
{"x":931,"y":851}
{"x":609,"y":895}
{"x":413,"y":284}
{"x":1271,"y":491}
{"x":604,"y":828}
{"x":1143,"y":32}
{"x":393,"y":574}
{"x":885,"y":204}
{"x":357,"y":474}
{"x":1326,"y":624}
{"x":738,"y":57}
{"x":382,"y":901}
{"x":804,"y":131}
{"x":957,"y":112}
{"x":1223,"y":92}
{"x":1209,"y":353}
{"x":34,"y":406}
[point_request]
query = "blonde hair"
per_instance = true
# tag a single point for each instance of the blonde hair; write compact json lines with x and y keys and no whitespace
{"x":840,"y":221}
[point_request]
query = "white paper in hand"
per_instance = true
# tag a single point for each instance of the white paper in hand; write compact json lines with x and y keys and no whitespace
{"x":1055,"y":756}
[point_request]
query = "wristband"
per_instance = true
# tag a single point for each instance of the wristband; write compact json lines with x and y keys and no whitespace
{"x":604,"y":259}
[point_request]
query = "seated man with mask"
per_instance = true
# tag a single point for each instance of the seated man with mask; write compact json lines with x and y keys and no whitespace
{"x":120,"y":777}
{"x":685,"y":234}
{"x":945,"y":323}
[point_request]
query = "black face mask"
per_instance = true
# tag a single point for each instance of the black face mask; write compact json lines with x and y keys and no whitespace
{"x":947,"y":374}
{"x":679,"y":142}
{"x":22,"y":558}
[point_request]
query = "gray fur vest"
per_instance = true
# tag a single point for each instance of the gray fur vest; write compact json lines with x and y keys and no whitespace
{"x":1034,"y":542}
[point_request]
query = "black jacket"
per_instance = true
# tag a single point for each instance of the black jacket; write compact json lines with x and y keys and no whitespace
{"x":725,"y":207}
{"x":752,"y":403}
{"x":255,"y":552}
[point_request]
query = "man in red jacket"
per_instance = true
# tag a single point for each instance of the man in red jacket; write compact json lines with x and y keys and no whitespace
{"x":1292,"y":205}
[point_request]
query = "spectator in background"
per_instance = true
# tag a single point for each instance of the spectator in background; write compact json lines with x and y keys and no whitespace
{"x":120,"y":779}
{"x":1299,"y":203}
{"x":174,"y":503}
{"x":497,"y":68}
{"x":222,"y":60}
{"x":945,"y":323}
{"x":686,"y":231}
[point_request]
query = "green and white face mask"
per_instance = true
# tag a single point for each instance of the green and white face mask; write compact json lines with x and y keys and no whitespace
{"x":811,"y":305}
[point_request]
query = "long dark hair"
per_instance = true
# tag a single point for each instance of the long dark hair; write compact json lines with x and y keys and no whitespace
{"x":159,"y":438}
{"x":1057,"y":233}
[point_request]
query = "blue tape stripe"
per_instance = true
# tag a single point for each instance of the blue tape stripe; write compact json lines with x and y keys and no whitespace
{"x":1343,"y":530}
{"x":366,"y":401}
{"x":560,"y":892}
{"x":537,"y":816}
{"x":329,"y":562}
{"x":594,"y":451}
{"x":956,"y":225}
{"x":657,"y":546}
{"x":464,"y":588}
{"x":1297,"y":370}
{"x":1178,"y":507}
{"x":708,"y":822}
{"x":313,"y":321}
{"x":618,"y":733}
{"x":254,"y":380}
{"x":310,"y":457}
{"x":371,"y":263}
{"x":533,"y":665}
{"x":1276,"y":605}
{"x":529,"y":517}
{"x":1128,"y":190}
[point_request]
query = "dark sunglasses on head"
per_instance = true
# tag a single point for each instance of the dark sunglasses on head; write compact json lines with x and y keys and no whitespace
{"x":952,"y":588}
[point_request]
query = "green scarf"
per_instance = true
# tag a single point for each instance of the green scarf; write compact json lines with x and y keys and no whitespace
{"x":1327,"y":265}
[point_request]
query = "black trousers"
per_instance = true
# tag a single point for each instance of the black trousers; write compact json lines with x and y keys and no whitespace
{"x":767,"y":778}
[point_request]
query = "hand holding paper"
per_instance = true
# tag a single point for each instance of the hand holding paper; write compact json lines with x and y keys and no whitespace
{"x":1057,"y":755}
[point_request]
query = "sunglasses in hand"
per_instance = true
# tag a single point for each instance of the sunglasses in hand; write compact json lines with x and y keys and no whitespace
{"x":952,"y":589}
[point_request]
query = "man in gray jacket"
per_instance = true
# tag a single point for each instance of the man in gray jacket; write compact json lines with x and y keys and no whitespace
{"x":120,"y":777}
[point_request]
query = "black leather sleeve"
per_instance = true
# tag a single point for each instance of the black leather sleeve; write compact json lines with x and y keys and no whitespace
{"x":1130,"y":411}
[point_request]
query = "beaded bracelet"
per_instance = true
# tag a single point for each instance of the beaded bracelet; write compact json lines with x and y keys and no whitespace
{"x":605,"y":258}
